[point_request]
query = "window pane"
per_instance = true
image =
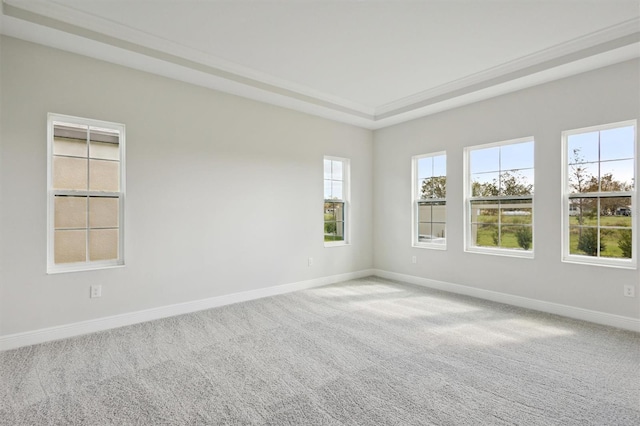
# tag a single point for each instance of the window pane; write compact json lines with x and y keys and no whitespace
{"x":70,"y":212}
{"x":516,"y":212}
{"x":424,"y":212}
{"x":617,"y":243}
{"x":70,"y":246}
{"x":583,"y":211}
{"x":327,"y":169}
{"x":425,"y":234}
{"x":69,"y":139}
{"x":615,"y":211}
{"x":336,"y":190}
{"x":329,"y":212}
{"x":516,"y":182}
{"x":484,"y":211}
{"x":583,"y":240}
{"x":435,"y":187}
{"x":485,"y":160}
{"x":440,"y":165}
{"x":339,"y":211}
{"x":516,"y":156}
{"x":103,"y":212}
{"x":438,"y":230}
{"x":484,"y":184}
{"x":439,"y":212}
{"x":516,"y":237}
{"x":484,"y":235}
{"x":582,"y":148}
{"x":616,"y":175}
{"x":425,"y":167}
{"x":583,"y":178}
{"x":70,"y":147}
{"x":334,"y":231}
{"x":336,"y":170}
{"x":327,"y":190}
{"x":104,"y":175}
{"x":69,"y":173}
{"x":103,"y":244}
{"x":616,"y":144}
{"x":103,"y":150}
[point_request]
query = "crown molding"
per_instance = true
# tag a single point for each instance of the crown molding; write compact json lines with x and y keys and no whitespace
{"x":65,"y":28}
{"x":614,"y":37}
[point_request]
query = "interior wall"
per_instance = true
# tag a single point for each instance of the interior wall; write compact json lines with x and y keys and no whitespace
{"x":224,"y":194}
{"x":602,"y":96}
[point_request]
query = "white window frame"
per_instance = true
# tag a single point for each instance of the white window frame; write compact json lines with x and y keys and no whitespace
{"x":346,"y":197}
{"x":415,"y":199}
{"x":566,"y":196}
{"x":468,"y":198}
{"x":52,"y":267}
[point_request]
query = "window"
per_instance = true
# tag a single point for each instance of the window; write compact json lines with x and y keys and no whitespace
{"x":86,"y":194}
{"x":429,"y":200}
{"x":499,"y":198}
{"x":336,"y":201}
{"x":599,"y":195}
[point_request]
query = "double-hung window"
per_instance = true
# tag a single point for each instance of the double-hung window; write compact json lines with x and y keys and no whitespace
{"x":499,"y":198}
{"x":336,"y":201}
{"x":599,"y":195}
{"x":85,"y":194}
{"x":429,"y":200}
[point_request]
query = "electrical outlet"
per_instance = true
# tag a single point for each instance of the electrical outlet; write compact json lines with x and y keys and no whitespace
{"x":629,"y":291}
{"x":96,"y":291}
{"x":311,"y":261}
{"x":414,"y":259}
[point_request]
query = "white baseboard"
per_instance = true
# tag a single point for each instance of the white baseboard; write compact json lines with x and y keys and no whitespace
{"x":17,"y":340}
{"x":597,"y":317}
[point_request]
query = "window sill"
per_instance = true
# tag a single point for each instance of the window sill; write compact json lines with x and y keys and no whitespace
{"x":594,"y":261}
{"x":501,"y":252}
{"x":81,"y":268}
{"x":336,"y":244}
{"x":430,"y":246}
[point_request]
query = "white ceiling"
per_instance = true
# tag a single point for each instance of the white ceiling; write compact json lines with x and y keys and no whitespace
{"x":370,"y":63}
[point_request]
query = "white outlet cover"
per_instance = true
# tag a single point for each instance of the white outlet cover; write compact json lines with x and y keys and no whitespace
{"x":96,"y":291}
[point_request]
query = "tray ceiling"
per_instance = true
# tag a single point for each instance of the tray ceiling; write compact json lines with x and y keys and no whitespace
{"x":368,"y":63}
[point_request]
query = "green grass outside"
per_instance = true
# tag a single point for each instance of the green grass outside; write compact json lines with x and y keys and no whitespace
{"x":508,"y":240}
{"x":609,"y":237}
{"x":330,"y":228}
{"x":604,"y":221}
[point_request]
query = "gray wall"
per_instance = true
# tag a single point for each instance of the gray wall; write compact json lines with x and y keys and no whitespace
{"x":606,"y":95}
{"x":224,"y":194}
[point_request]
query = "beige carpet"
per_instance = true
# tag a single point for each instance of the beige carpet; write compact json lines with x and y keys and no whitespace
{"x":364,"y":352}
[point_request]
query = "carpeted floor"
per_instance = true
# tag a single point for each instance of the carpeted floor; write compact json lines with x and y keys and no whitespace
{"x":363,"y":352}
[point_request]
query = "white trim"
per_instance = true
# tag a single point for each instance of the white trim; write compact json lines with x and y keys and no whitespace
{"x":52,"y":267}
{"x":619,"y":321}
{"x":566,"y":256}
{"x":414,"y":202}
{"x":346,"y":200}
{"x":13,"y":341}
{"x":467,"y":223}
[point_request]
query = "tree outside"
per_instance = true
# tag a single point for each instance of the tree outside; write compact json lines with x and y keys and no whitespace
{"x":503,"y":223}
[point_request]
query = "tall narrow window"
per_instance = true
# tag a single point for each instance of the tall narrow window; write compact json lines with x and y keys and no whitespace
{"x":499,"y":198}
{"x":429,"y":200}
{"x":86,"y":194}
{"x":336,"y":201}
{"x":599,"y":188}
